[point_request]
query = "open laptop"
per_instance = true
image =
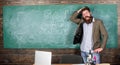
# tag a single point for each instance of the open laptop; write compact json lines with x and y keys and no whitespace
{"x":42,"y":58}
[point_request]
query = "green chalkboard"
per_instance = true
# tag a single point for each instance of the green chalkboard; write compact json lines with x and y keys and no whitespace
{"x":49,"y":26}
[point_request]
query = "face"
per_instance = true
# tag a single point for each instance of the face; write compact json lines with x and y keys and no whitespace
{"x":86,"y":15}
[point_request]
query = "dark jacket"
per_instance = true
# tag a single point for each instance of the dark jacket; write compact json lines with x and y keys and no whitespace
{"x":78,"y":35}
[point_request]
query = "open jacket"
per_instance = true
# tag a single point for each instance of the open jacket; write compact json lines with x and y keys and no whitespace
{"x":98,"y":31}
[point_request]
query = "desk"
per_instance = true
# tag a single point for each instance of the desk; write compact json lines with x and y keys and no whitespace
{"x":79,"y":64}
{"x":67,"y":64}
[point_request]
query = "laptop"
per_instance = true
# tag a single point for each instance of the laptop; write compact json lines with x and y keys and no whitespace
{"x":42,"y":58}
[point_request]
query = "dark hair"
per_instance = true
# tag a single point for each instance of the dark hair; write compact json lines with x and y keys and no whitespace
{"x":84,"y":8}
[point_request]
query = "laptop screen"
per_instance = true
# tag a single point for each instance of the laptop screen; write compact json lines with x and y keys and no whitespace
{"x":43,"y":58}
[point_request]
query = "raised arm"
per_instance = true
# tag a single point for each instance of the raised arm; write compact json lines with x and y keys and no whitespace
{"x":75,"y":18}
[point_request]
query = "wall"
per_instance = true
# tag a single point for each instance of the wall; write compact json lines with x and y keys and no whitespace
{"x":26,"y":56}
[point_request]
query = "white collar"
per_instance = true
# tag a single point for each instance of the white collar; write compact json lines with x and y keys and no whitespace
{"x":93,"y":20}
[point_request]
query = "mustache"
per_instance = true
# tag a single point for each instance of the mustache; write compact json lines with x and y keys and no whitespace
{"x":87,"y":16}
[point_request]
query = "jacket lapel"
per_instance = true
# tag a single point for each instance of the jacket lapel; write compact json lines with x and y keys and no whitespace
{"x":93,"y":30}
{"x":94,"y":24}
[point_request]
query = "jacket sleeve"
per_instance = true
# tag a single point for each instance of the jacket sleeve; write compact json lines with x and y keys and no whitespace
{"x":104,"y":35}
{"x":75,"y":18}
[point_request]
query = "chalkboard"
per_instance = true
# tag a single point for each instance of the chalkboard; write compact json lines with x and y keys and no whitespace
{"x":49,"y":26}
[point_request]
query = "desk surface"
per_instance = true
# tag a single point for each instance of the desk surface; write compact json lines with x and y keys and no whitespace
{"x":67,"y":64}
{"x":82,"y":64}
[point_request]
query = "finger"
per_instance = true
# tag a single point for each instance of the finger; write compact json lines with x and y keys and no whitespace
{"x":78,"y":10}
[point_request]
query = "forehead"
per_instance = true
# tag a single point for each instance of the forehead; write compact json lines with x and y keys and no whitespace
{"x":85,"y":11}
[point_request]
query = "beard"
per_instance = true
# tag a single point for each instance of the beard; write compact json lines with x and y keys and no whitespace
{"x":88,"y":19}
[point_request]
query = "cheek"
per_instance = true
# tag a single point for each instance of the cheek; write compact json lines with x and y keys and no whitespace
{"x":88,"y":14}
{"x":84,"y":16}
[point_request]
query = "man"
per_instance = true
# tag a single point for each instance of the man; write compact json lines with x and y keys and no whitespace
{"x":92,"y":30}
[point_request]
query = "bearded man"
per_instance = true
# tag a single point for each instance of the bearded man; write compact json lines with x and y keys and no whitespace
{"x":93,"y":33}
